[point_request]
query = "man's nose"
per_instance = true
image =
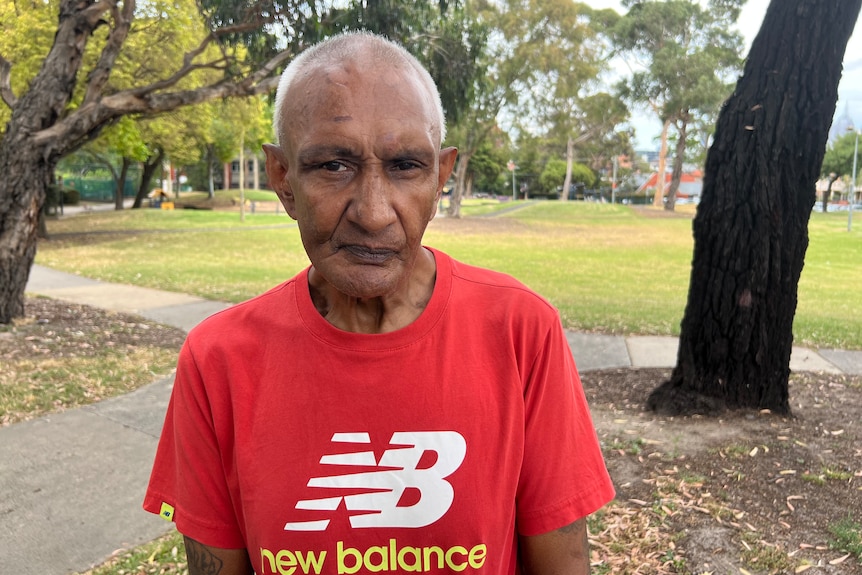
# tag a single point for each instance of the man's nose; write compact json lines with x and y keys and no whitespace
{"x":371,"y":208}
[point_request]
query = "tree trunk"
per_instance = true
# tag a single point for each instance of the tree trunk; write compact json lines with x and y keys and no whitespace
{"x":210,"y":179}
{"x":255,"y":163}
{"x":751,"y":228}
{"x":150,"y":166}
{"x":26,"y":177}
{"x":567,"y":182}
{"x":827,"y":195}
{"x":168,"y":179}
{"x":226,"y":171}
{"x":211,"y":163}
{"x":678,"y":161}
{"x":658,"y":199}
{"x":242,"y":176}
{"x":454,"y":209}
{"x":120,"y":181}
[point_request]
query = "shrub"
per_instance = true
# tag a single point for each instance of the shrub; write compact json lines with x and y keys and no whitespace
{"x":71,"y":197}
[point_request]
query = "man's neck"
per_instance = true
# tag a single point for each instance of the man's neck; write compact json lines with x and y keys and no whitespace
{"x":381,"y":314}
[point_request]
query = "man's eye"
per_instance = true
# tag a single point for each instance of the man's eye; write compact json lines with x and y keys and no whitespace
{"x":406,"y":165}
{"x":333,"y":166}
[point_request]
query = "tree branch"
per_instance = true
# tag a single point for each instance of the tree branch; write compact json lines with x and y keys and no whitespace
{"x":82,"y":125}
{"x":6,"y":92}
{"x":100,"y":74}
{"x":188,"y":67}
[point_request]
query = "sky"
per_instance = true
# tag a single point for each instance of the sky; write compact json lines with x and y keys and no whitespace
{"x":849,"y":90}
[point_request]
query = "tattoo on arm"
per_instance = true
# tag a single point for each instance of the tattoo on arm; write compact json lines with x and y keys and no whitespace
{"x":201,"y":560}
{"x":573,"y":528}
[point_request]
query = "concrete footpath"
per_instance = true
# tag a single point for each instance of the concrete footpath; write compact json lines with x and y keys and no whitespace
{"x":71,"y":483}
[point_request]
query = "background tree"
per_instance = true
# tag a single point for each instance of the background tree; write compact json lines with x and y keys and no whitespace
{"x":117,"y":149}
{"x":530,"y":153}
{"x":68,"y":102}
{"x":488,"y":172}
{"x":837,"y":162}
{"x":751,"y":227}
{"x":588,"y":124}
{"x":251,"y":127}
{"x":557,"y":171}
{"x":174,"y":135}
{"x":443,"y":35}
{"x":684,"y":54}
{"x":535,"y":48}
{"x":570,"y":107}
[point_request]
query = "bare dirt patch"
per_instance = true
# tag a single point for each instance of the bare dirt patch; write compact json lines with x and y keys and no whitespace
{"x":62,"y":355}
{"x":748,"y":492}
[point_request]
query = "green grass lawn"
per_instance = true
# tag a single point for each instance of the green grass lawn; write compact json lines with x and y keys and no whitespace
{"x":607,"y":268}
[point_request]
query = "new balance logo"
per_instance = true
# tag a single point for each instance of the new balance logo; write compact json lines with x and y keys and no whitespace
{"x":378,"y":505}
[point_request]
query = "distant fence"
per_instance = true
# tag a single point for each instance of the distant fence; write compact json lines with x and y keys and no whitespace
{"x":94,"y":190}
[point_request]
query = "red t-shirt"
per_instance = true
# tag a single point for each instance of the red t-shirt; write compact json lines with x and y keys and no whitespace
{"x":427,"y":449}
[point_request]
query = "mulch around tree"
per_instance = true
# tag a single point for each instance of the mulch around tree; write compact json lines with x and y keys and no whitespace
{"x":746,"y":492}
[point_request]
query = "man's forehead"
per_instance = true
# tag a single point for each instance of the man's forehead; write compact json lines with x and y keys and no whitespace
{"x":331,"y":93}
{"x":361,"y":70}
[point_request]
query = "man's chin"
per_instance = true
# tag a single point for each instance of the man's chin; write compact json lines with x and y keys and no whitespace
{"x":365,"y":282}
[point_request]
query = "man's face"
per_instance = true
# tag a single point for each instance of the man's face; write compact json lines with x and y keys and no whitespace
{"x":361,"y":172}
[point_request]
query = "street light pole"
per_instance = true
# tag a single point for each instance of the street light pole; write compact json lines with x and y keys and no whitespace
{"x":512,"y":167}
{"x":853,"y":184}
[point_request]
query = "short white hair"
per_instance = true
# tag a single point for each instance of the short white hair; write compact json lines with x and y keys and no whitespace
{"x":340,"y":47}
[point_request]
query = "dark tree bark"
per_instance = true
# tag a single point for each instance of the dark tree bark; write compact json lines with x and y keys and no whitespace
{"x":460,"y":188}
{"x":150,"y":165}
{"x":678,"y":161}
{"x":751,"y":228}
{"x":828,"y":193}
{"x":120,"y":182}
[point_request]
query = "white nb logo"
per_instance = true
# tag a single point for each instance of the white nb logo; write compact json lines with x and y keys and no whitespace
{"x":385,"y":488}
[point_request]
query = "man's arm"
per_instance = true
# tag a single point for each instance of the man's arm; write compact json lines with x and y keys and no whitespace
{"x":206,"y":560}
{"x":564,"y":551}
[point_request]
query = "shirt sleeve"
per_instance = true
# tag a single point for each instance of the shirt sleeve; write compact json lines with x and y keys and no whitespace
{"x":563,"y":476}
{"x":188,"y":484}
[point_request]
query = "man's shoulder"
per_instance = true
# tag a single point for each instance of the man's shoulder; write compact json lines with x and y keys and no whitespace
{"x":485,"y":284}
{"x":485,"y":276}
{"x":248,"y":316}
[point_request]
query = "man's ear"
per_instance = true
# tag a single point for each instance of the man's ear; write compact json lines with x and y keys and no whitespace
{"x":447,"y":164}
{"x":276,"y":174}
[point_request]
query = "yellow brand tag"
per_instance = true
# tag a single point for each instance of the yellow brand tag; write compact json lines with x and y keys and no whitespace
{"x":167,"y":512}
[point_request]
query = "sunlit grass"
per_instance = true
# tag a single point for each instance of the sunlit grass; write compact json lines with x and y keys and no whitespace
{"x":607,"y":268}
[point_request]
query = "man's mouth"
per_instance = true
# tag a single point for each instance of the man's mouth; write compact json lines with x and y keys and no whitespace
{"x":369,"y":255}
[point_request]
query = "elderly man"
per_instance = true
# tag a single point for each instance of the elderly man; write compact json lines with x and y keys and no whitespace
{"x":388,"y":409}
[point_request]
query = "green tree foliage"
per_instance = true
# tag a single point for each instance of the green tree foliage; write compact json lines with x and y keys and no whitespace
{"x":441,"y":34}
{"x":587,"y":127}
{"x":488,"y":171}
{"x":27,"y":31}
{"x":534,"y":48}
{"x":839,"y":156}
{"x":838,"y":164}
{"x":552,"y":177}
{"x":684,"y":56}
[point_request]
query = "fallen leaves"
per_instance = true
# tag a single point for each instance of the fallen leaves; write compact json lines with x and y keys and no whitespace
{"x":793,"y":498}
